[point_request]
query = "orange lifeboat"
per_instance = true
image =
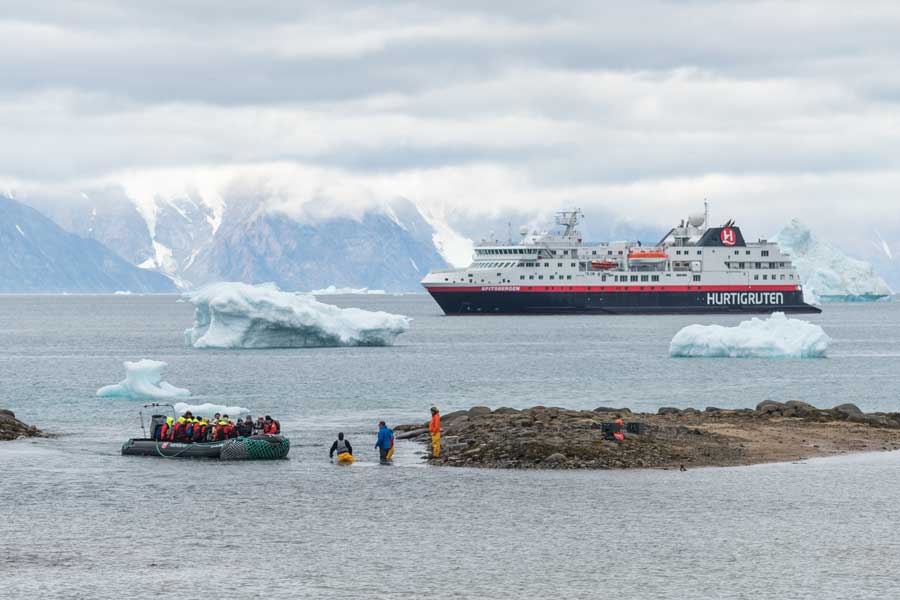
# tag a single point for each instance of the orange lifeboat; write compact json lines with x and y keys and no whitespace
{"x":605,"y":265}
{"x":647,"y":257}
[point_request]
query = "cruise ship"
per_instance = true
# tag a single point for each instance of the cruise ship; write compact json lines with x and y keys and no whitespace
{"x":693,"y":269}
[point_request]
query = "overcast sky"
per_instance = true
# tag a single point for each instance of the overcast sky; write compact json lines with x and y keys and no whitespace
{"x":769,"y":109}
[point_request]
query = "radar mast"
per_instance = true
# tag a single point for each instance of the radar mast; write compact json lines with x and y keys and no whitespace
{"x":569,"y":219}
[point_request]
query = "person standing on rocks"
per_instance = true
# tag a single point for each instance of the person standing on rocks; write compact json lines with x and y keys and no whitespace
{"x":434,"y":428}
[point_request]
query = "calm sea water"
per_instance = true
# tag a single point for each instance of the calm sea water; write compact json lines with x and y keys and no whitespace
{"x":81,"y":521}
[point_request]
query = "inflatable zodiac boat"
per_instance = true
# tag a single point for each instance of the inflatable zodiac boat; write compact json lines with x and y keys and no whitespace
{"x":256,"y":447}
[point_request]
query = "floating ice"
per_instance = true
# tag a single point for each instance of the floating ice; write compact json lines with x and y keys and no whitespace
{"x":208,"y":409}
{"x":142,"y":382}
{"x":237,"y":315}
{"x":826,"y":272}
{"x":334,"y":291}
{"x":774,"y":337}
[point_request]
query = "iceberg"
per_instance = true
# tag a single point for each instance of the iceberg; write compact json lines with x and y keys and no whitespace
{"x":208,"y":409}
{"x":334,"y":291}
{"x":143,"y":382}
{"x":238,"y":315}
{"x":775,"y":337}
{"x":827,"y":273}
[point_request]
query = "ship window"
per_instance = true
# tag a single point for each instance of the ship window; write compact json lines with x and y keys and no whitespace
{"x":620,"y":252}
{"x":540,"y":276}
{"x":756,"y":277}
{"x":551,"y":277}
{"x":748,"y":252}
{"x":696,"y":278}
{"x":573,"y":264}
{"x":594,"y":252}
{"x":678,"y":252}
{"x":558,"y":264}
{"x":765,"y":277}
{"x":737,"y":251}
{"x":445,"y":279}
{"x":609,"y":252}
{"x":699,"y":252}
{"x":499,"y":274}
{"x":645,"y":278}
{"x":634,"y":277}
{"x":546,"y":264}
{"x":654,"y":278}
{"x":782,"y":276}
{"x":568,"y":277}
{"x":792,"y":275}
{"x":603,"y":278}
{"x":765,"y":252}
{"x":757,"y":265}
{"x":521,"y":277}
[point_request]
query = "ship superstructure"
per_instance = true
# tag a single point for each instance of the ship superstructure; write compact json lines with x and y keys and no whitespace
{"x":694,"y":268}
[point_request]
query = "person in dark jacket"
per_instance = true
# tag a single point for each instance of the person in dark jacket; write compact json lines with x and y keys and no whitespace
{"x":245,"y":427}
{"x":385,"y":442}
{"x":343,"y":448}
{"x":259,"y":427}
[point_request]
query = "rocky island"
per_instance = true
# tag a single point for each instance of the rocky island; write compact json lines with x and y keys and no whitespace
{"x":557,"y":438}
{"x":11,"y":428}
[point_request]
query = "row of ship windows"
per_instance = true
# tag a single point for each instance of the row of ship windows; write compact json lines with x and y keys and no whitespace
{"x":756,"y":265}
{"x":494,"y":265}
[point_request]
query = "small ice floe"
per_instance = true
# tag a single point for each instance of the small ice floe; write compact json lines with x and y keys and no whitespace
{"x":238,"y":315}
{"x":208,"y":409}
{"x":775,"y":337}
{"x":143,"y":382}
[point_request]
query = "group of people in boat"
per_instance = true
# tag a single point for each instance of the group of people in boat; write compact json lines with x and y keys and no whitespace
{"x":190,"y":429}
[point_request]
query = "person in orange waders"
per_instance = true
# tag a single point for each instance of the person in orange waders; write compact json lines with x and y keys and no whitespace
{"x":620,"y":434}
{"x":434,"y":428}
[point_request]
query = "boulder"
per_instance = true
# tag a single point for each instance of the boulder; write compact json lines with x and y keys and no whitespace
{"x":768,"y":407}
{"x":453,"y":415}
{"x":847,"y":410}
{"x":712,"y":409}
{"x":556,"y":458}
{"x":669,"y":410}
{"x":8,"y":413}
{"x":800,"y":409}
{"x":406,"y":435}
{"x":690,"y":411}
{"x":505,"y":410}
{"x":479,"y":411}
{"x":609,"y":409}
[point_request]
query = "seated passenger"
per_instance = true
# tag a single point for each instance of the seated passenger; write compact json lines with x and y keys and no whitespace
{"x":178,"y":429}
{"x":259,"y":427}
{"x":272,"y":427}
{"x":245,"y":427}
{"x":200,"y":431}
{"x":164,"y":429}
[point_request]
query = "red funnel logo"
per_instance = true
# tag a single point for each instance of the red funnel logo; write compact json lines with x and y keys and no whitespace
{"x":728,"y":236}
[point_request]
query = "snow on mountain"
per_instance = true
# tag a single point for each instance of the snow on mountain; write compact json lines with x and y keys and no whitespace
{"x":826,"y":272}
{"x":36,"y":255}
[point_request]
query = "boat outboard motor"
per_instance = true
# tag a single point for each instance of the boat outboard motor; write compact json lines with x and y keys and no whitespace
{"x":156,"y":423}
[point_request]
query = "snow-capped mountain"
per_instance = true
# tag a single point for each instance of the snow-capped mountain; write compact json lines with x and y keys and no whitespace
{"x":828,"y":273}
{"x":36,"y":255}
{"x":243,"y":237}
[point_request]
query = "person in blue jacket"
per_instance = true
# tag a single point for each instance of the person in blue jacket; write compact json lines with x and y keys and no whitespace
{"x":385,"y":442}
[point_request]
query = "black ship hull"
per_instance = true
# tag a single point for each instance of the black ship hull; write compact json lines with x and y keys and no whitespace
{"x":512,"y":300}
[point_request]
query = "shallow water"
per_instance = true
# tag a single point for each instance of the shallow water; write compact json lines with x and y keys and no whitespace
{"x":81,"y":521}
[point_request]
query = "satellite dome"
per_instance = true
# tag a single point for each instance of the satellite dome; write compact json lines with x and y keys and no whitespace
{"x":523,"y":230}
{"x":696,"y":220}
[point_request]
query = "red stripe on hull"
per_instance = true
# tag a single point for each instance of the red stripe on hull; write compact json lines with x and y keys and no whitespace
{"x":613,"y":288}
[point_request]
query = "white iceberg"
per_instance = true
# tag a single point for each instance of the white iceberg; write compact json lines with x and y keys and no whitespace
{"x":208,"y":410}
{"x":143,"y":382}
{"x":775,"y":337}
{"x":237,"y":315}
{"x":335,"y":291}
{"x":827,"y":273}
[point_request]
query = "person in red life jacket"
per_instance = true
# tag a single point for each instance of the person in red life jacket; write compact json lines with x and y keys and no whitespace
{"x":259,"y":427}
{"x":200,"y":431}
{"x":178,"y":429}
{"x":272,"y":427}
{"x":164,"y":428}
{"x":620,"y":433}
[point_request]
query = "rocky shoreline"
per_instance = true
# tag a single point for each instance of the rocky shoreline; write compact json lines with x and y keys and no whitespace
{"x":11,"y":428}
{"x":557,"y":438}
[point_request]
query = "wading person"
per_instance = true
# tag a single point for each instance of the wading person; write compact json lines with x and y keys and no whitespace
{"x":344,"y":450}
{"x":434,"y":428}
{"x":385,"y":443}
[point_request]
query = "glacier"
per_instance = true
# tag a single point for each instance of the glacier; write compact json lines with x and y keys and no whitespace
{"x":332,"y":290}
{"x":828,"y":274}
{"x":239,"y":315}
{"x":143,"y":382}
{"x":208,"y":409}
{"x":775,"y":337}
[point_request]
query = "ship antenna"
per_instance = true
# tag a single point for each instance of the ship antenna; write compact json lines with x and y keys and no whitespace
{"x":705,"y":213}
